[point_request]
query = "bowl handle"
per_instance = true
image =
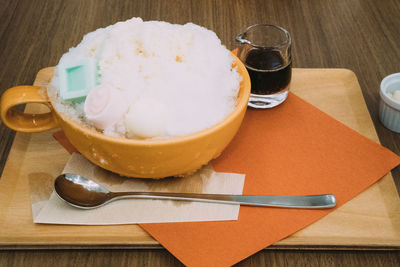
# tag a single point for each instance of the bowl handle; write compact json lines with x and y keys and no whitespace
{"x":25,"y":122}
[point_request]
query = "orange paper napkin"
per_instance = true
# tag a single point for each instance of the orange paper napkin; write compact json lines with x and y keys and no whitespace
{"x":293,"y":149}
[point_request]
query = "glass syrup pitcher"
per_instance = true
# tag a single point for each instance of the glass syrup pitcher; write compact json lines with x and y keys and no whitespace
{"x":265,"y":50}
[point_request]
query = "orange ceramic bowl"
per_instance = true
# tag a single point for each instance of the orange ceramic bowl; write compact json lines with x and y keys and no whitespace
{"x":159,"y":158}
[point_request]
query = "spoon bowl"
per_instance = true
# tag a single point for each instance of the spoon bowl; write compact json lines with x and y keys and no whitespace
{"x":81,"y":192}
{"x":86,"y":194}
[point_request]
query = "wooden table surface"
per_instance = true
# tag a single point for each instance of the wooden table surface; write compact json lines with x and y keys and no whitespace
{"x":361,"y":35}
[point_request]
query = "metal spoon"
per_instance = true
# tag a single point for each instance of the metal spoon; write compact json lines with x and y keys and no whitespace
{"x":86,"y":194}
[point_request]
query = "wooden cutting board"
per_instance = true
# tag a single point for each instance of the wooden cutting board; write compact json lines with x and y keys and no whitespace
{"x":369,"y":221}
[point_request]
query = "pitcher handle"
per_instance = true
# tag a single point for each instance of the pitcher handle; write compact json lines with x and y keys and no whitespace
{"x":25,"y":122}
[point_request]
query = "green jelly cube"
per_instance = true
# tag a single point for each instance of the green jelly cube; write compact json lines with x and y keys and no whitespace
{"x":77,"y":79}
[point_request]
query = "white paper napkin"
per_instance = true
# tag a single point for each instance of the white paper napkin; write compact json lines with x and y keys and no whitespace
{"x":132,"y":211}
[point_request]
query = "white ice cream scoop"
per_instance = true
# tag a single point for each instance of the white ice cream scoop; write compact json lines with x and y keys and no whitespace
{"x":146,"y":119}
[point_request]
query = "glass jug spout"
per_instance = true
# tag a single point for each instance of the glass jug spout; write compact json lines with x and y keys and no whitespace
{"x":240,"y":38}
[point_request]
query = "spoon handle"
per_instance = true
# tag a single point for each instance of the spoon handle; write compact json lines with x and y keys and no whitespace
{"x":307,"y":202}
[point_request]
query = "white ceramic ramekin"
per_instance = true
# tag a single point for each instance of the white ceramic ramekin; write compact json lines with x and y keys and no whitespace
{"x":389,"y":108}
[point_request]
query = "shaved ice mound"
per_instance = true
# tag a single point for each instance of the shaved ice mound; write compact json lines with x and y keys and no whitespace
{"x":141,"y":80}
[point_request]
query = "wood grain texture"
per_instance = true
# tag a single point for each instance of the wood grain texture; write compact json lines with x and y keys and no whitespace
{"x":362,"y":35}
{"x":162,"y":258}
